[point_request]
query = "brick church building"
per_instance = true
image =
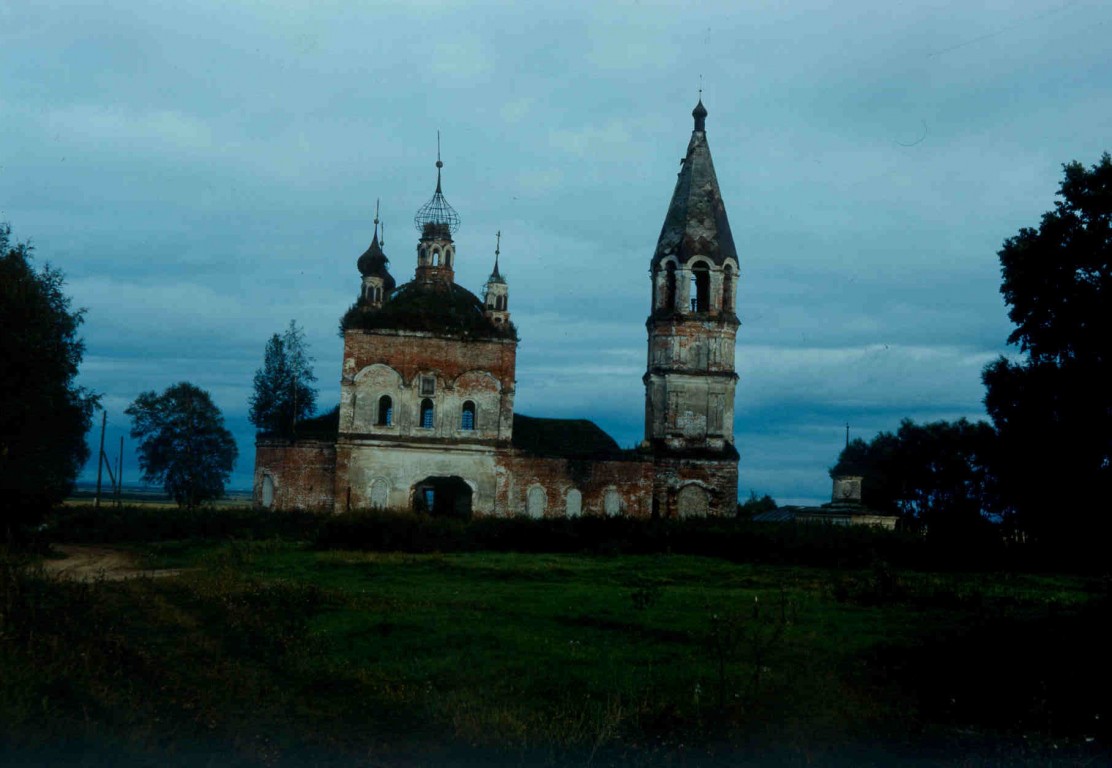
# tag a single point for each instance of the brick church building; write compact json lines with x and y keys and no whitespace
{"x":426,"y":418}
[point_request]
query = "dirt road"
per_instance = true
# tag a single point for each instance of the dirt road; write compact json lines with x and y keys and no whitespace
{"x":90,"y":563}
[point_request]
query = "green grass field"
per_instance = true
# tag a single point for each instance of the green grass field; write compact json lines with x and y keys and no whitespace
{"x":271,"y":653}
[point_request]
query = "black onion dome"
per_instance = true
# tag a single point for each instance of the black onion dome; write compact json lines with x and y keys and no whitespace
{"x":433,"y":306}
{"x":700,"y":115}
{"x":373,"y":264}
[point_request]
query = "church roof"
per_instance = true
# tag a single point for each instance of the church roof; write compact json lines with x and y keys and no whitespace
{"x":563,"y":438}
{"x":696,"y":223}
{"x":433,"y":306}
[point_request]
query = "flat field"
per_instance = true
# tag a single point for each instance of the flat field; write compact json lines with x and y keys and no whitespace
{"x":276,"y":653}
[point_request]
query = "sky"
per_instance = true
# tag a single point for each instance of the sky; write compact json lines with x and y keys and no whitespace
{"x":204,"y":172}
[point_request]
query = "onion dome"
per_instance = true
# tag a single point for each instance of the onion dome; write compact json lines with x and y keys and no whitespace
{"x":373,"y":262}
{"x":437,"y":218}
{"x":700,"y":115}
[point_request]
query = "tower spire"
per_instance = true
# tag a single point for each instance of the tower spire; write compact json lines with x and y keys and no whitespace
{"x":496,"y":294}
{"x":439,"y":163}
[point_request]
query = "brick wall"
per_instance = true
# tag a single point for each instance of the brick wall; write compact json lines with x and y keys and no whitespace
{"x":716,"y":478}
{"x":302,"y":473}
{"x":628,"y":484}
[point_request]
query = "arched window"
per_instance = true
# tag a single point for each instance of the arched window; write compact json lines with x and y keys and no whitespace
{"x":700,"y":288}
{"x":670,"y":286}
{"x":435,"y":257}
{"x":535,"y":501}
{"x":467,"y":418}
{"x":728,"y":289}
{"x":268,"y":491}
{"x":426,"y":413}
{"x":422,"y":255}
{"x":574,"y":503}
{"x":380,"y":493}
{"x":612,"y":503}
{"x":385,"y":411}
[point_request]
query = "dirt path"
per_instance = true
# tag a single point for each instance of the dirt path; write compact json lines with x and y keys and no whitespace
{"x":90,"y":563}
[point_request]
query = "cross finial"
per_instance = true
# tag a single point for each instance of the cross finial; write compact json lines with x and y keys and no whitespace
{"x":376,"y":219}
{"x":382,"y":240}
{"x":700,"y":87}
{"x":497,"y":244}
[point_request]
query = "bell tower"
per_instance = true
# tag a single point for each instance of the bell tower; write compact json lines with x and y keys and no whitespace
{"x":690,"y":378}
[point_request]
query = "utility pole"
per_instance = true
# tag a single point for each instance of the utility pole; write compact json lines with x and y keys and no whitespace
{"x":120,"y":475}
{"x":100,"y":457}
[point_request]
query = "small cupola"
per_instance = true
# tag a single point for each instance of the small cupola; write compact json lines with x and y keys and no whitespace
{"x":436,"y":221}
{"x":377,"y":281}
{"x":496,"y":293}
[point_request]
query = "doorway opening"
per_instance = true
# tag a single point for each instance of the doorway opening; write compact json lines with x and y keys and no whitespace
{"x":443,"y":497}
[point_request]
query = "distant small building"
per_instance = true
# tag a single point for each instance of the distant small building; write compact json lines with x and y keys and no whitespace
{"x":844,"y":508}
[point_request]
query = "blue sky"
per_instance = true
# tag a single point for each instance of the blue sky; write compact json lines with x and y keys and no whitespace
{"x":204,"y":172}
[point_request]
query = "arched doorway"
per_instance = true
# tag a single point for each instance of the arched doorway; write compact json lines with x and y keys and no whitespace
{"x":443,"y":497}
{"x":692,"y":501}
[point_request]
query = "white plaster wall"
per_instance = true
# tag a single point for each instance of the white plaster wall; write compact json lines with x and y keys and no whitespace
{"x":403,"y":466}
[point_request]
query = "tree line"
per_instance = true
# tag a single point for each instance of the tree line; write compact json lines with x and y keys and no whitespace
{"x":1043,"y":467}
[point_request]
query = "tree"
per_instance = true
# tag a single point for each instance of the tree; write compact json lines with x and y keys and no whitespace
{"x":1053,"y":408}
{"x":44,"y":415}
{"x":183,"y":444}
{"x":284,"y":394}
{"x":755,"y":505}
{"x":933,"y":474}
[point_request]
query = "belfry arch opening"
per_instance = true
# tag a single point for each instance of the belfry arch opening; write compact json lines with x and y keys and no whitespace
{"x":670,"y":286}
{"x":443,"y":497}
{"x":700,"y":288}
{"x":728,"y":289}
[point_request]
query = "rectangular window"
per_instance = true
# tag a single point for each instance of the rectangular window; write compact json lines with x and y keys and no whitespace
{"x":428,"y":385}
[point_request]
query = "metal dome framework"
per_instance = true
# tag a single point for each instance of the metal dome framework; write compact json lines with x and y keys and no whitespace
{"x":437,"y":216}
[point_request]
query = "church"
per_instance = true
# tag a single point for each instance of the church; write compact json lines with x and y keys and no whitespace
{"x":426,"y":419}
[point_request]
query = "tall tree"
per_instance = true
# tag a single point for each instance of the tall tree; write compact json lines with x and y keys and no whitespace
{"x":1053,"y":408}
{"x":183,"y":444}
{"x":284,"y":394}
{"x":934,"y":474}
{"x":44,"y":415}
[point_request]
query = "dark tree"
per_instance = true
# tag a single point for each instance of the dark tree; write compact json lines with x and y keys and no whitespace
{"x":1053,"y":408}
{"x":43,"y":415}
{"x":284,"y":394}
{"x":755,"y":505}
{"x":183,"y":444}
{"x":934,"y":474}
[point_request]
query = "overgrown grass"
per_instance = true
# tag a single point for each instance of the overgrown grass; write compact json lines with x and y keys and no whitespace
{"x":274,"y":652}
